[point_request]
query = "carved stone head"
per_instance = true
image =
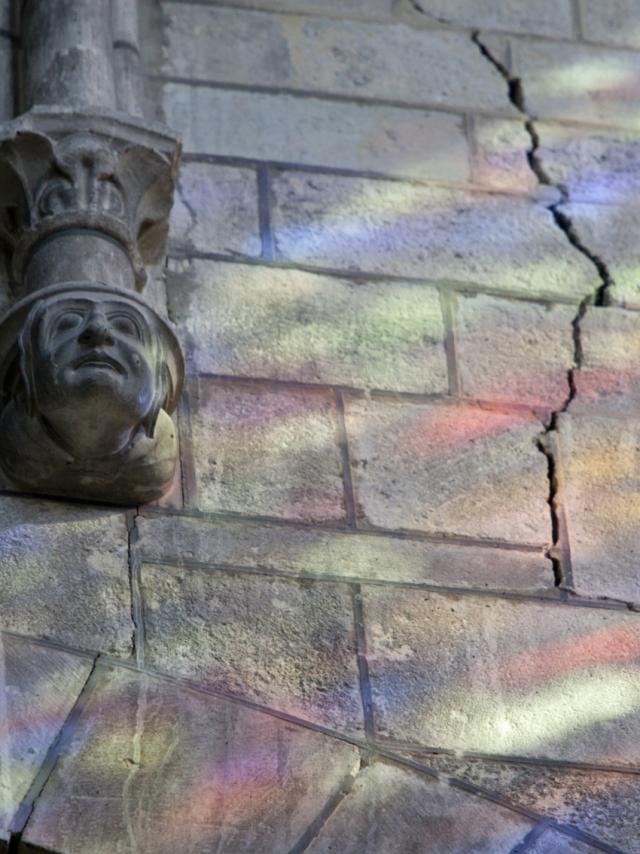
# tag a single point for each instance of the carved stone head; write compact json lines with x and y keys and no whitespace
{"x":94,"y":379}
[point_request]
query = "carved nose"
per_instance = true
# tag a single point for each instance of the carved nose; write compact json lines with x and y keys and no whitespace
{"x":96,"y":332}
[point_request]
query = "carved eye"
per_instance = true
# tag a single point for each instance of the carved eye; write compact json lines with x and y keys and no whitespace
{"x":124,"y":325}
{"x":67,"y":321}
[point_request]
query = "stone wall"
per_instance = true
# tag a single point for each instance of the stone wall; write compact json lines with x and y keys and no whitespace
{"x":391,"y":602}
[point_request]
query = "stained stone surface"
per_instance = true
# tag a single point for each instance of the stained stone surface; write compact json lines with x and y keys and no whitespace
{"x":442,"y":468}
{"x":215,"y":209}
{"x":514,"y":351}
{"x":38,"y":687}
{"x":153,"y":767}
{"x":502,"y":677}
{"x":305,"y":551}
{"x":275,"y":452}
{"x":384,"y":61}
{"x":601,"y":493}
{"x":284,"y":324}
{"x":426,"y":232}
{"x":284,"y":644}
{"x":602,"y":803}
{"x":319,"y":132}
{"x":64,"y":574}
{"x":396,"y":810}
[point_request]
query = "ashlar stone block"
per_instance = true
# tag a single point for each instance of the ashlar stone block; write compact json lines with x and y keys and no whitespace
{"x":494,"y":676}
{"x":290,"y":325}
{"x":269,"y":452}
{"x":284,"y":644}
{"x":316,"y":132}
{"x":616,"y":22}
{"x":64,"y":574}
{"x":544,"y":18}
{"x":156,"y":768}
{"x":394,"y":809}
{"x":347,"y":555}
{"x":450,"y":469}
{"x":514,"y":351}
{"x":426,"y":232}
{"x":500,"y":155}
{"x":390,"y":61}
{"x":38,"y":688}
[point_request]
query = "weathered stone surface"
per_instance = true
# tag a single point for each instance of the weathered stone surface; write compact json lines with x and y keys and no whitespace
{"x":552,"y":842}
{"x":608,"y":382}
{"x":156,"y":768}
{"x":289,"y":325}
{"x":216,"y":210}
{"x":267,"y":452}
{"x":393,"y":809}
{"x":367,"y":60}
{"x":500,"y":155}
{"x":447,"y":468}
{"x":514,"y":351}
{"x":599,"y":459}
{"x":38,"y":687}
{"x":285,"y":644}
{"x":605,"y":230}
{"x":309,"y":551}
{"x":366,"y":9}
{"x":616,"y":22}
{"x":428,"y":232}
{"x":315,"y":132}
{"x":64,"y":574}
{"x":592,"y":164}
{"x":574,"y":82}
{"x":603,"y":803}
{"x":546,"y":18}
{"x":497,"y":676}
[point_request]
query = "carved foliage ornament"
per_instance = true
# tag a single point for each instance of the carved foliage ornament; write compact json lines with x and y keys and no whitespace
{"x":89,"y":373}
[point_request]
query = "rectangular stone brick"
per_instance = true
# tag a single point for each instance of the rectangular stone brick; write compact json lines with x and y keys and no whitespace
{"x":38,"y":687}
{"x":314,"y":132}
{"x":608,"y":231}
{"x":514,"y":351}
{"x":215,"y":209}
{"x":501,"y":677}
{"x":352,"y":556}
{"x":608,"y":382}
{"x":500,"y":155}
{"x":596,"y":801}
{"x":289,"y":325}
{"x":601,"y":496}
{"x":266,"y":452}
{"x":396,"y":809}
{"x":64,"y":574}
{"x":285,"y":644}
{"x":449,"y":468}
{"x":175,"y":770}
{"x":427,"y":232}
{"x":552,"y":18}
{"x":573,"y":82}
{"x":366,"y":60}
{"x":373,"y":9}
{"x":616,"y":22}
{"x":592,"y":164}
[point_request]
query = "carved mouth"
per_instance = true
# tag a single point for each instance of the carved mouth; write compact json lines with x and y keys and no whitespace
{"x":99,"y":361}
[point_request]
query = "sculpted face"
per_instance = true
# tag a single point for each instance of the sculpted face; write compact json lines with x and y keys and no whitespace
{"x":90,"y":363}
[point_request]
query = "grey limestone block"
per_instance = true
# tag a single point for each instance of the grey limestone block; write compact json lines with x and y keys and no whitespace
{"x":449,"y":468}
{"x":357,"y":556}
{"x":390,"y":61}
{"x":552,"y":842}
{"x":38,"y":688}
{"x":543,"y":18}
{"x":499,"y":159}
{"x":494,"y":676}
{"x":615,"y":23}
{"x":154,"y":767}
{"x":290,"y":325}
{"x":266,"y":451}
{"x":284,"y":644}
{"x":431,"y":232}
{"x":396,"y":810}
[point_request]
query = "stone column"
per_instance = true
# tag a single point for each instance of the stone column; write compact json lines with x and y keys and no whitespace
{"x":6,"y":61}
{"x":126,"y":57}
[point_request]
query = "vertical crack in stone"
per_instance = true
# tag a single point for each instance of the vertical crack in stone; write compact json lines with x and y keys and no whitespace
{"x":133,"y":555}
{"x":26,"y":808}
{"x":559,"y":552}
